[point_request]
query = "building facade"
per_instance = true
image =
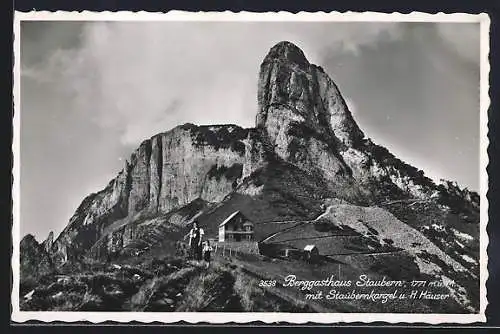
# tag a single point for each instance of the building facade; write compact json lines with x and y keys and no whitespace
{"x":236,"y":227}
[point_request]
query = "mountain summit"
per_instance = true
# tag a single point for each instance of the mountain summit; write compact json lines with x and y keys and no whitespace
{"x":303,"y":114}
{"x":288,"y":81}
{"x":305,"y":160}
{"x":287,"y":52}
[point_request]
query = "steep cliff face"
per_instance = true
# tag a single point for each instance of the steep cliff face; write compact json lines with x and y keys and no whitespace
{"x":290,"y":86}
{"x":172,"y":169}
{"x":297,"y":104}
{"x":166,"y":172}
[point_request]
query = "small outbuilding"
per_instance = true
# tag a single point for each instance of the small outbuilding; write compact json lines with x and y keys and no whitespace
{"x":311,"y":252}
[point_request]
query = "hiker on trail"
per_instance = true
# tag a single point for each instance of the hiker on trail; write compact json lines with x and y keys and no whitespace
{"x":195,"y":239}
{"x":207,"y":249}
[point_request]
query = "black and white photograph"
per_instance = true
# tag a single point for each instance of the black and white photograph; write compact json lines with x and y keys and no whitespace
{"x":237,"y":167}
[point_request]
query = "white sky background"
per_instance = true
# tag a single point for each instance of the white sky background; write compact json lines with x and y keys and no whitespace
{"x":92,"y":91}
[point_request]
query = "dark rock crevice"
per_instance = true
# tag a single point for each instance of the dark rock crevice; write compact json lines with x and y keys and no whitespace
{"x":159,"y":166}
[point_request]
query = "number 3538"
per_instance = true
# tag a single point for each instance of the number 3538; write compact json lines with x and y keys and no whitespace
{"x":263,"y":283}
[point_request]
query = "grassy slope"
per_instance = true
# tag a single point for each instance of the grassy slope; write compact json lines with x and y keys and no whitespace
{"x":158,"y":285}
{"x":284,"y":193}
{"x":431,"y":260}
{"x":169,"y":284}
{"x":444,"y":228}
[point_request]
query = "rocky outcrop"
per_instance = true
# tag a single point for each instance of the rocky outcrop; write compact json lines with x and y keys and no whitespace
{"x":35,"y":261}
{"x":302,"y":115}
{"x":293,"y":90}
{"x":307,"y":122}
{"x":47,"y":243}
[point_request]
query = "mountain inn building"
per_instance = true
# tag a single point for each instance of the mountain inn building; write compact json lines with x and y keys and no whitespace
{"x":236,"y":227}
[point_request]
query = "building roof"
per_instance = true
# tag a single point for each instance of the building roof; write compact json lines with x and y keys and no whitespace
{"x":231,"y":216}
{"x":309,"y":248}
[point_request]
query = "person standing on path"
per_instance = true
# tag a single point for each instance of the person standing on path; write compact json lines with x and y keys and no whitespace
{"x":195,"y":239}
{"x":207,"y":249}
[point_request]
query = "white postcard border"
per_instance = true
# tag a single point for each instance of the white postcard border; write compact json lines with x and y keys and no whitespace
{"x":218,"y":318}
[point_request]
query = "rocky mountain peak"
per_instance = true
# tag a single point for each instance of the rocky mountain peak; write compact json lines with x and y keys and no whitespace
{"x":302,"y":113}
{"x":29,"y":241}
{"x":47,"y":244}
{"x":288,"y":52}
{"x":34,"y":260}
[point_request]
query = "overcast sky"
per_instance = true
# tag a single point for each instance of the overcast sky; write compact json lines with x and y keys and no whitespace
{"x":92,"y":91}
